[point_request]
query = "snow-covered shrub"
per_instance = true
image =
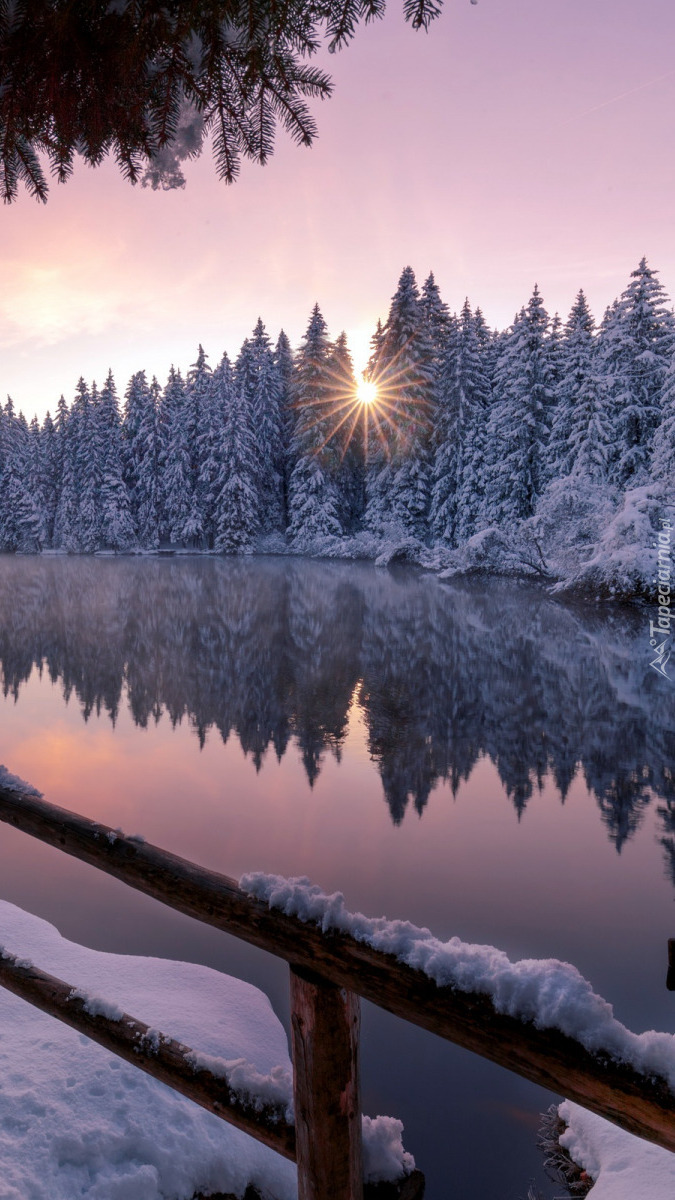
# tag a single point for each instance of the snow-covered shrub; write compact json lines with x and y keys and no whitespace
{"x":624,"y":561}
{"x":570,"y":514}
{"x":494,"y":551}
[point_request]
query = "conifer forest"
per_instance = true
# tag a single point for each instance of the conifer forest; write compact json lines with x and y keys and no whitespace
{"x":547,"y":449}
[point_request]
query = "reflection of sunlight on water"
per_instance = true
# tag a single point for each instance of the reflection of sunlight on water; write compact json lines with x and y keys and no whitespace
{"x":356,"y":741}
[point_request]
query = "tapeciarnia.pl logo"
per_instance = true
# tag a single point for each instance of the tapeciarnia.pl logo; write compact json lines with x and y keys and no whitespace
{"x":659,"y":630}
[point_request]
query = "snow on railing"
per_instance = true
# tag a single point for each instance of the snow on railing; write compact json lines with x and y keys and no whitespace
{"x":540,"y":1019}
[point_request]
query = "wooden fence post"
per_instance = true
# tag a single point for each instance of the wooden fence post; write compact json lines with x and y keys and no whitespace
{"x":325,"y":1026}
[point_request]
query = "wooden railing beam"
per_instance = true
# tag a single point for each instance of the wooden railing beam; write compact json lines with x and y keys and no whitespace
{"x":642,"y":1105}
{"x":165,"y":1059}
{"x":160,"y":1056}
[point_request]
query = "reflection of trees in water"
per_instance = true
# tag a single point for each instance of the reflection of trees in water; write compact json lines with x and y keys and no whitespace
{"x":274,"y":651}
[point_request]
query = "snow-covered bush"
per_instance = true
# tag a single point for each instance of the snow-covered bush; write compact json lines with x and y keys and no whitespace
{"x":570,"y":514}
{"x":624,"y":560}
{"x":494,"y":551}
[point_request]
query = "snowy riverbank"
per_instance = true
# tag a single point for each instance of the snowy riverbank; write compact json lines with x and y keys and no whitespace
{"x":622,"y":1167}
{"x":631,"y":555}
{"x":76,"y":1121}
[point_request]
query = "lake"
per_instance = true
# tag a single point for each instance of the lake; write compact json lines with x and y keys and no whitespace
{"x":477,"y":758}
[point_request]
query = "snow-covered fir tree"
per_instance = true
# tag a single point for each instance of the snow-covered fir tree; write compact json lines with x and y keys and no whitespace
{"x":283,"y":360}
{"x":215,"y":402}
{"x":313,"y":502}
{"x":402,"y":367}
{"x":64,"y":536}
{"x":180,"y":517}
{"x":115,"y":523}
{"x":21,"y":525}
{"x":237,"y":514}
{"x":88,"y":454}
{"x":264,"y":394}
{"x":520,"y":416}
{"x":663,"y":458}
{"x":581,"y":431}
{"x":463,"y":393}
{"x":197,"y":417}
{"x":50,"y":468}
{"x":436,"y":316}
{"x":348,"y":437}
{"x":141,"y":449}
{"x":637,"y":341}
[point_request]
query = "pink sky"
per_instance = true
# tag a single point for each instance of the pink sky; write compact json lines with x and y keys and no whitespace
{"x":519,"y":141}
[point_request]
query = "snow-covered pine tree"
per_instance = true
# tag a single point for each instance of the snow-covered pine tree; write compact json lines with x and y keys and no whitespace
{"x":463,"y":395}
{"x":519,"y":419}
{"x":180,"y":516}
{"x":402,"y":368}
{"x":64,"y":536}
{"x":116,"y":526}
{"x":198,"y":401}
{"x":313,"y":500}
{"x":589,"y":428}
{"x":51,"y":475}
{"x":637,"y":341}
{"x":142,"y":454}
{"x":663,"y":458}
{"x":21,"y":522}
{"x":87,"y":467}
{"x":268,"y":424}
{"x":236,"y":511}
{"x":348,"y":439}
{"x":377,"y":455}
{"x":283,"y":360}
{"x":556,"y":335}
{"x":576,"y":415}
{"x":34,"y":475}
{"x":136,"y":399}
{"x":256,"y":371}
{"x":436,"y":315}
{"x":215,"y":402}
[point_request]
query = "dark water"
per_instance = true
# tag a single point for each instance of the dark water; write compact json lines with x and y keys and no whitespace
{"x":478,"y":759}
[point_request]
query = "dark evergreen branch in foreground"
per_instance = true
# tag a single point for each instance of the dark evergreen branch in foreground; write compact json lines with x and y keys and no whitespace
{"x":546,"y":448}
{"x":146,"y":81}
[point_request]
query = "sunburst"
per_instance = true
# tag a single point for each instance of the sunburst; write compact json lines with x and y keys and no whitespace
{"x":371,"y":406}
{"x":366,"y":391}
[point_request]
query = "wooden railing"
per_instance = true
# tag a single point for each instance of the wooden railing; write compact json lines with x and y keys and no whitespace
{"x":329,"y":971}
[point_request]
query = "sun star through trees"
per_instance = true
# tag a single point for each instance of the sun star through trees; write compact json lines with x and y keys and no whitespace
{"x":366,"y":391}
{"x":345,"y":409}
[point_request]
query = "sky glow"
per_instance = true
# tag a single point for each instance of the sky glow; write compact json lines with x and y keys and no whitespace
{"x":515,"y":143}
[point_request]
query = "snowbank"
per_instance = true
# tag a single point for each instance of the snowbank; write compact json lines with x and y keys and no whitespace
{"x":622,"y":1166}
{"x":76,"y":1121}
{"x":550,"y":993}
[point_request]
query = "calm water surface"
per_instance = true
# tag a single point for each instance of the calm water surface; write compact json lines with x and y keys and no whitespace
{"x":478,"y":759}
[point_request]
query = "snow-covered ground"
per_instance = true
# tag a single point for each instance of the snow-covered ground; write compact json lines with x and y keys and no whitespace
{"x":76,"y":1121}
{"x":622,"y":1166}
